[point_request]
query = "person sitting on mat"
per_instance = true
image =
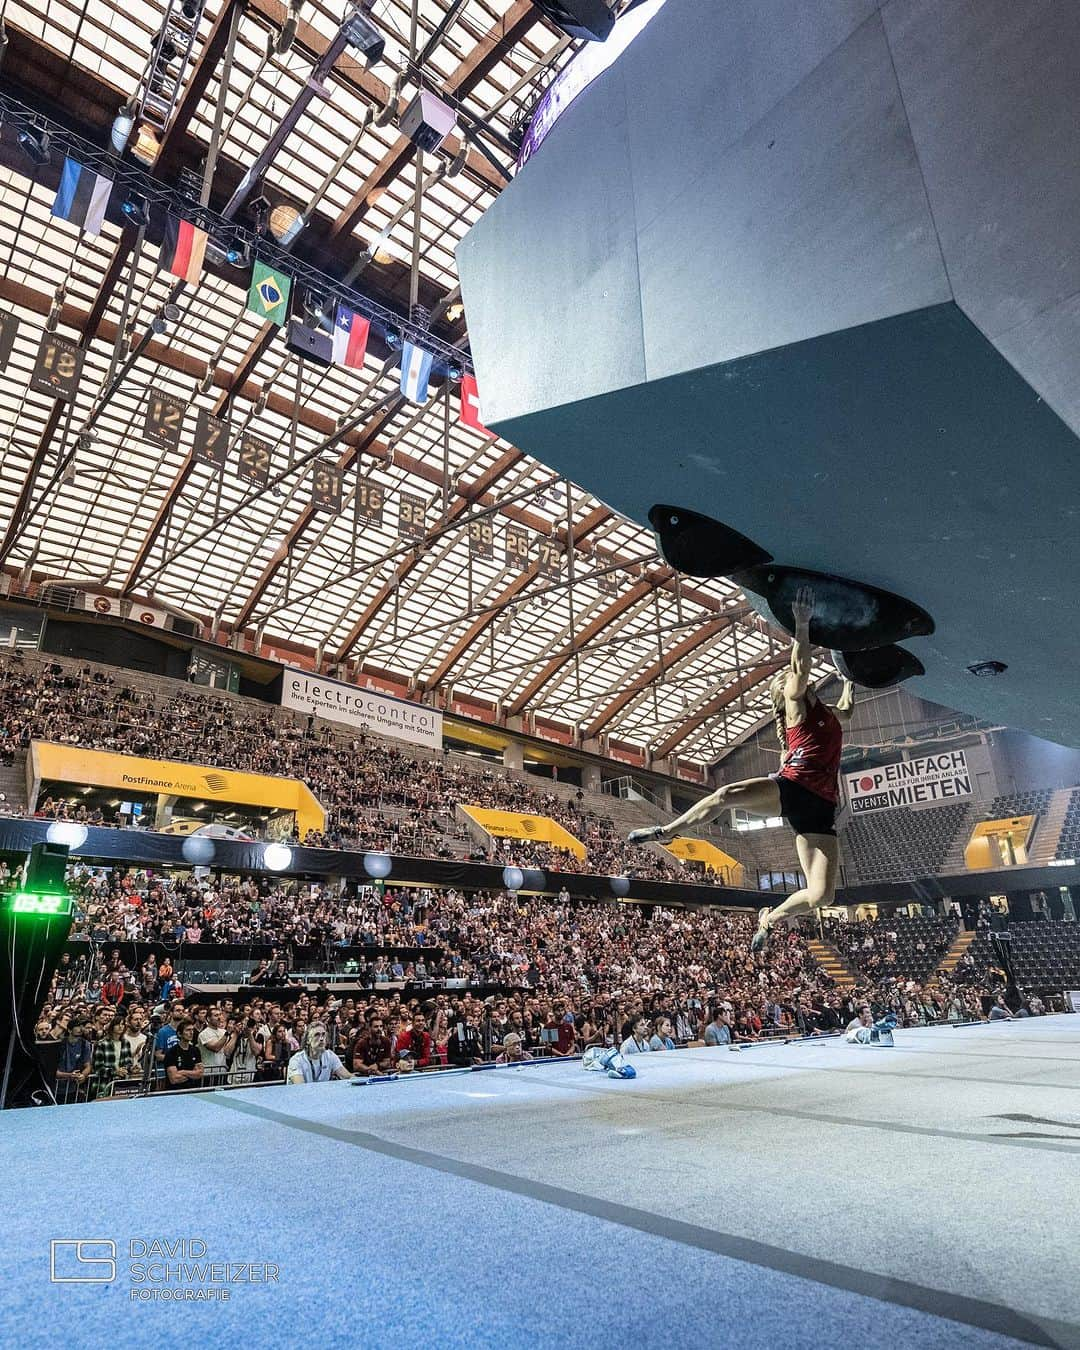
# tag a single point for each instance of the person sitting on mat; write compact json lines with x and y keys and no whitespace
{"x":805,"y":791}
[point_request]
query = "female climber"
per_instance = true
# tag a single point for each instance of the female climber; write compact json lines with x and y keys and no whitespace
{"x":805,"y":789}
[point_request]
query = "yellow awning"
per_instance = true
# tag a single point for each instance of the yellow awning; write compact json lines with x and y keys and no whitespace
{"x":512,"y":825}
{"x":129,"y":773}
{"x":715,"y":859}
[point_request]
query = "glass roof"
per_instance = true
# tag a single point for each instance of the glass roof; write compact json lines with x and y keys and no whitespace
{"x":612,"y":644}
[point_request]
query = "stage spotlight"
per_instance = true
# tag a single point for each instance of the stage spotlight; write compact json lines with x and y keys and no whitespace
{"x":259,"y":210}
{"x":513,"y":878}
{"x":378,"y":865}
{"x":122,"y":125}
{"x":136,"y":210}
{"x":34,"y":143}
{"x":286,"y":221}
{"x":171,"y":312}
{"x":361,"y":34}
{"x":197,"y":850}
{"x":238,"y":254}
{"x":393,"y":339}
{"x":68,"y":832}
{"x":276,"y":857}
{"x":285,"y":39}
{"x":458,"y":162}
{"x":620,"y":886}
{"x":189,"y":9}
{"x":454,"y":311}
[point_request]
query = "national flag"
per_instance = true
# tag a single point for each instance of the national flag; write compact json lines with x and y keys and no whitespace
{"x":269,"y":293}
{"x":350,"y":338}
{"x":82,"y":196}
{"x":470,"y":405}
{"x":183,"y":249}
{"x":415,"y":372}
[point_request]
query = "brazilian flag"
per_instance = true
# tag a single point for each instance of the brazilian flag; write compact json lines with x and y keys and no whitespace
{"x":269,"y":293}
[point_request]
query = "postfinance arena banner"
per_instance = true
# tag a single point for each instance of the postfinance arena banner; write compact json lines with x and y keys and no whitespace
{"x":912,"y":782}
{"x":512,"y":825}
{"x":101,"y":768}
{"x":366,"y":708}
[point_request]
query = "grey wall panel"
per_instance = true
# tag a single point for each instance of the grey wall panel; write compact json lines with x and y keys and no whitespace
{"x":815,"y":220}
{"x":906,"y":453}
{"x":1046,"y":351}
{"x":992,"y":90}
{"x":703,"y":72}
{"x":549,"y":275}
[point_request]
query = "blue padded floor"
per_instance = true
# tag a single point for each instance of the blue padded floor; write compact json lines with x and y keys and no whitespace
{"x":802,"y":1195}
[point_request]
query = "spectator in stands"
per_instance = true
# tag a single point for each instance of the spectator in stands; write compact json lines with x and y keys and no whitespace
{"x":75,"y":1057}
{"x":412,"y":1048}
{"x":112,"y":1058}
{"x":637,"y":1039}
{"x":372,"y":1051}
{"x":183,"y":1067}
{"x":216,"y":1045}
{"x":166,"y":1036}
{"x":464,"y":1045}
{"x":718,"y":1031}
{"x":1000,"y":1012}
{"x":315,"y":1063}
{"x":662,"y":1038}
{"x":513,"y":1052}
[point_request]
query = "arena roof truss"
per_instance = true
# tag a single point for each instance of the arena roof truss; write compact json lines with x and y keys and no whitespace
{"x":583,"y":625}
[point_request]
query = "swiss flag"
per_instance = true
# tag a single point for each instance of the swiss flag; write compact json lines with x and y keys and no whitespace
{"x":470,"y":405}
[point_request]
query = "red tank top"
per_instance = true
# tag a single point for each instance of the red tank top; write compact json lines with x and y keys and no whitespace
{"x":813,"y":752}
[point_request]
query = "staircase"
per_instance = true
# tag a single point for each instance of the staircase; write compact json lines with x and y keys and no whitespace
{"x":13,"y":784}
{"x":831,"y":962}
{"x":953,"y":861}
{"x":1048,"y":829}
{"x":953,"y":956}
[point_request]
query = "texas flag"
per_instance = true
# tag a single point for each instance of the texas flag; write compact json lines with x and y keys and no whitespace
{"x":470,"y":405}
{"x":415,"y":372}
{"x":350,"y":338}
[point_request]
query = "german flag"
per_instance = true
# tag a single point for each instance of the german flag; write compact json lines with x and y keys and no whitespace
{"x":183,"y":250}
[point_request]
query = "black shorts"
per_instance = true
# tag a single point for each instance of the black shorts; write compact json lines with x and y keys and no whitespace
{"x":805,"y":811}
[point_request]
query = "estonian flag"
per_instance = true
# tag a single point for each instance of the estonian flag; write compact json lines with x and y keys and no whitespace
{"x":183,"y":250}
{"x":82,"y":197}
{"x":415,"y":372}
{"x":350,"y":338}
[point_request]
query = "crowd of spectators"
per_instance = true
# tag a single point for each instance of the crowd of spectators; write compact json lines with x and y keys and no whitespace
{"x":376,"y":796}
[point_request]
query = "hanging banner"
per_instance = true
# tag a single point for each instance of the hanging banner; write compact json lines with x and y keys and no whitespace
{"x":211,"y":444}
{"x":325,"y":487}
{"x":482,"y":538}
{"x":367,"y":708}
{"x":516,"y":548}
{"x":254,"y":465}
{"x":912,"y":782}
{"x":370,"y":500}
{"x":9,"y":328}
{"x":58,"y":368}
{"x":164,"y":418}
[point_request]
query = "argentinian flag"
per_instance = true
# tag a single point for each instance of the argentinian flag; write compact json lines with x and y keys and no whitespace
{"x":415,"y":372}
